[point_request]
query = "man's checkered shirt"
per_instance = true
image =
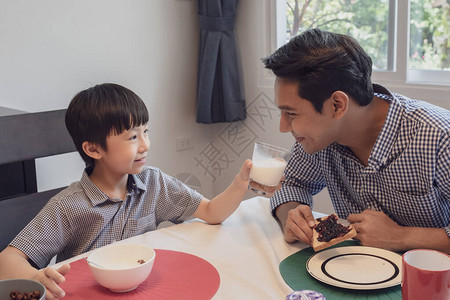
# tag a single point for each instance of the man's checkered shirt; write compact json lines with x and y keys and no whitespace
{"x":408,"y":173}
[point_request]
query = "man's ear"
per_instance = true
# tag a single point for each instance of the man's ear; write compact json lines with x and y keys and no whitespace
{"x":92,"y":150}
{"x":340,"y":101}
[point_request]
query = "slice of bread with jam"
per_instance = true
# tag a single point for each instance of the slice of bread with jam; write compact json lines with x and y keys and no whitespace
{"x":328,"y":232}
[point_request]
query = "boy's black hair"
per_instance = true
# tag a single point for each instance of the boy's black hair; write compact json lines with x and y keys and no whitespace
{"x":323,"y":62}
{"x":103,"y":110}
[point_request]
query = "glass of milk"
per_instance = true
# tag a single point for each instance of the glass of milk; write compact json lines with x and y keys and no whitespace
{"x":269,"y":162}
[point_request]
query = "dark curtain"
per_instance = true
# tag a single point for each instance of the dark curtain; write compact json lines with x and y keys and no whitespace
{"x":219,"y":94}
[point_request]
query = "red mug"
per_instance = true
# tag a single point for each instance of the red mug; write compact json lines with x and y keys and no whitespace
{"x":425,"y":275}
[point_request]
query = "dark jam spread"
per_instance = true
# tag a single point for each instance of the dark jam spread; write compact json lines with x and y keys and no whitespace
{"x":329,"y":229}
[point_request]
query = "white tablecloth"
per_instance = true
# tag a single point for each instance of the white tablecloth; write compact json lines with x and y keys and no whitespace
{"x":246,"y":250}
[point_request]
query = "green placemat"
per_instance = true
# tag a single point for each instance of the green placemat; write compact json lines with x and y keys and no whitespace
{"x":293,"y":270}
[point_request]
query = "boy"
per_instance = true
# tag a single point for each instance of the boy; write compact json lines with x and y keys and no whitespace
{"x":117,"y":196}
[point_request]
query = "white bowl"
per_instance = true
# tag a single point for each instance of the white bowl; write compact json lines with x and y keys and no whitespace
{"x":20,"y":285}
{"x":118,"y":267}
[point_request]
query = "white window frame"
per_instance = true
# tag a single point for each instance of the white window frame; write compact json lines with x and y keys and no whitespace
{"x":436,"y":87}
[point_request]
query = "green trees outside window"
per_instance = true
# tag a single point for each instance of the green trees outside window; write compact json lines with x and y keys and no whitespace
{"x":371,"y":22}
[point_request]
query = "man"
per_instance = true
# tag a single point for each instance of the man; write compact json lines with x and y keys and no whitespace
{"x":384,"y":158}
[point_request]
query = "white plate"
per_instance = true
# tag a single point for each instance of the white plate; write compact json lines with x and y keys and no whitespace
{"x":356,"y":267}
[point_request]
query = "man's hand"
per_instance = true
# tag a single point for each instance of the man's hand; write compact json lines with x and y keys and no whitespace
{"x":51,"y":278}
{"x":299,"y":223}
{"x":376,"y":229}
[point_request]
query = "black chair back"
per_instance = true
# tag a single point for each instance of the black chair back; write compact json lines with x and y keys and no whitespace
{"x":23,"y":138}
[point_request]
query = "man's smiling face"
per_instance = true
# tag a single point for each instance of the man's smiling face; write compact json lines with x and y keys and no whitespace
{"x":313,"y":130}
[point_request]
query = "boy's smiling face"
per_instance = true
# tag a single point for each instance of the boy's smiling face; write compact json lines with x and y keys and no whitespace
{"x":126,"y":152}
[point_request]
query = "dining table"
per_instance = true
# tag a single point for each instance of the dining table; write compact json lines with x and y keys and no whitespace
{"x":245,"y":251}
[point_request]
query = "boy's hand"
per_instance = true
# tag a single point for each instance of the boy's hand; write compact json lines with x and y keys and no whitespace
{"x":51,"y":278}
{"x":215,"y":211}
{"x":244,"y":174}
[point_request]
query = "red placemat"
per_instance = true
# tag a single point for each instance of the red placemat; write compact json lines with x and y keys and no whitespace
{"x":175,"y":275}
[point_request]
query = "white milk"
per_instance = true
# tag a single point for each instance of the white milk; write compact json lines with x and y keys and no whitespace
{"x":268,"y":171}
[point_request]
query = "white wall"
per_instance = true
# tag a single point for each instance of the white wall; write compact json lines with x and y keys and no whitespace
{"x":52,"y":49}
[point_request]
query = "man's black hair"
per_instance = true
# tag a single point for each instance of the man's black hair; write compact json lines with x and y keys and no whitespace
{"x":323,"y":62}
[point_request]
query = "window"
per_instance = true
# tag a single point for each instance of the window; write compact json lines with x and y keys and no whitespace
{"x":366,"y":20}
{"x":429,"y":41}
{"x":409,"y":41}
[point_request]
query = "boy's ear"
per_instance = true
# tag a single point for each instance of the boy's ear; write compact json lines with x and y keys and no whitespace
{"x":92,"y":150}
{"x":340,"y":101}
